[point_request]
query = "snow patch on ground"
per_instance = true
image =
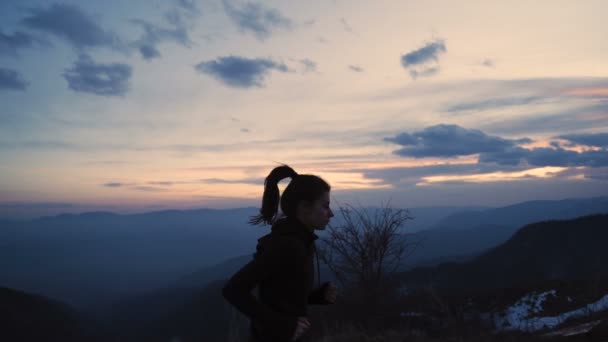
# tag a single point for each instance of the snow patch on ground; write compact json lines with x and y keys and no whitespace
{"x":517,"y":316}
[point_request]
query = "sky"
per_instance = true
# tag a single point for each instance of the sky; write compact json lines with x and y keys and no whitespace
{"x":144,"y":105}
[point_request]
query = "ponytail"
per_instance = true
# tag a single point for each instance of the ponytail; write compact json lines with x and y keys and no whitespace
{"x":271,"y":197}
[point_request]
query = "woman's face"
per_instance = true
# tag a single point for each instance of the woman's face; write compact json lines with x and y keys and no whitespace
{"x":316,"y":215}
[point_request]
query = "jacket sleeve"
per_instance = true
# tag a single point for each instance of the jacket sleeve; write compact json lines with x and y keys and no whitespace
{"x":237,"y":290}
{"x":317,"y":296}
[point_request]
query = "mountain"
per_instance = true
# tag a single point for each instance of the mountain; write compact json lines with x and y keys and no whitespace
{"x":98,"y":257}
{"x":520,"y":214}
{"x":466,"y":234}
{"x":27,"y":317}
{"x":183,"y":314}
{"x":93,"y":258}
{"x":545,"y":251}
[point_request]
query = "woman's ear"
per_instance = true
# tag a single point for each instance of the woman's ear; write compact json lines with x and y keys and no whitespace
{"x":304,"y":207}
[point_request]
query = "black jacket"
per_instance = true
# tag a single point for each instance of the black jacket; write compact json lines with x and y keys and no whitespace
{"x":283,"y":270}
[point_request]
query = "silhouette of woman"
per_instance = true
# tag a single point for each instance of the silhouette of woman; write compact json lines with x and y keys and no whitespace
{"x":282,"y":267}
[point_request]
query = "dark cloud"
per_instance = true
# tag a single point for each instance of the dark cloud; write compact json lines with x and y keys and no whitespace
{"x":488,"y":63}
{"x":69,"y":22}
{"x":598,"y":173}
{"x":11,"y":80}
{"x":163,"y":183}
{"x":493,"y":103}
{"x":423,"y":62}
{"x":355,"y":68}
{"x":448,"y":141}
{"x":427,"y":53}
{"x":589,"y":139}
{"x":99,"y":79}
{"x":256,"y":18}
{"x":148,"y":52}
{"x":154,"y":34}
{"x":309,"y":65}
{"x":424,"y":72}
{"x":115,"y":185}
{"x":240,"y":72}
{"x":452,"y":141}
{"x":189,"y":5}
{"x":245,"y":130}
{"x":10,"y":44}
{"x":540,"y":157}
{"x":180,"y":19}
{"x":581,"y":118}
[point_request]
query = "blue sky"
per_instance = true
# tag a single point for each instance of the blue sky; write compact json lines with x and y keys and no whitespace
{"x":179,"y":104}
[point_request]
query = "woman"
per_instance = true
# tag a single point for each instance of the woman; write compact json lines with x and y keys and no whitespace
{"x":282,"y":267}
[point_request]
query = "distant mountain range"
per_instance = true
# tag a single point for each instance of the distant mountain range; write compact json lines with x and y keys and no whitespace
{"x":550,"y":250}
{"x":544,"y":251}
{"x":463,"y":235}
{"x":96,"y":258}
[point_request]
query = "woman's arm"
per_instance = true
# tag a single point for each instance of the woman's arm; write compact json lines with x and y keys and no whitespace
{"x":237,"y":290}
{"x":318,"y":295}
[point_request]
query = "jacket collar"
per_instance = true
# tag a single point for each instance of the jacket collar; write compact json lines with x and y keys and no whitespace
{"x":292,"y":226}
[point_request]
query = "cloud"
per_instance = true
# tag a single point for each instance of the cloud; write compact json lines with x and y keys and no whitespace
{"x":598,"y":173}
{"x":180,"y":19}
{"x":154,"y":34}
{"x":347,"y":27}
{"x":585,"y":117}
{"x":424,"y":72}
{"x":541,"y":157}
{"x":189,"y":5}
{"x":100,"y":79}
{"x":39,"y":145}
{"x":10,"y":44}
{"x":254,"y":181}
{"x":69,"y":22}
{"x":588,"y":139}
{"x":309,"y":65}
{"x":493,"y":103}
{"x":488,"y":63}
{"x":240,"y":72}
{"x":115,"y":185}
{"x":245,"y":130}
{"x":355,"y":68}
{"x":256,"y":18}
{"x":11,"y":80}
{"x":453,"y":141}
{"x":412,"y":175}
{"x":164,"y":183}
{"x":148,"y":188}
{"x":449,"y":141}
{"x":429,"y":52}
{"x":424,"y":61}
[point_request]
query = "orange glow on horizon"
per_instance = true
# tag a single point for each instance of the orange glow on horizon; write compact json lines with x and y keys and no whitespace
{"x":542,"y":172}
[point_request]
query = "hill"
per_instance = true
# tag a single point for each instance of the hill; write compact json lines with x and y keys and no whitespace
{"x":27,"y":317}
{"x":544,"y":251}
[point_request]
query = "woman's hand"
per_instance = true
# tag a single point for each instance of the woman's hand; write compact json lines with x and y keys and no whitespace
{"x":331,"y":292}
{"x":302,"y":326}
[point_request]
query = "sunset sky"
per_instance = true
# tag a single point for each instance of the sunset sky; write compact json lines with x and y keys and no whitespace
{"x":142,"y":105}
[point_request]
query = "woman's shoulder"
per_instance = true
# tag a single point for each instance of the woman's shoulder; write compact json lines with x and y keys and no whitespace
{"x":286,"y":245}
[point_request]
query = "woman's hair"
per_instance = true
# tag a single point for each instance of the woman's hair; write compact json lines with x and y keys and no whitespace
{"x":301,"y":188}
